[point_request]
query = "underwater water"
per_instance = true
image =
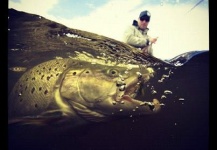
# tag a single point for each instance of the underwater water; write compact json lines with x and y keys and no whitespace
{"x":182,"y":124}
{"x":181,"y":85}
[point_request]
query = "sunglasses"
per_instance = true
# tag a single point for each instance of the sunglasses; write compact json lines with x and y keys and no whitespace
{"x":147,"y":19}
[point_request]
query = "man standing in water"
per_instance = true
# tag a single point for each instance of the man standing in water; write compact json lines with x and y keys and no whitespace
{"x":136,"y":34}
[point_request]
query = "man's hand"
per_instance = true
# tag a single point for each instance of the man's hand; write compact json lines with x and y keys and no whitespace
{"x":153,"y":40}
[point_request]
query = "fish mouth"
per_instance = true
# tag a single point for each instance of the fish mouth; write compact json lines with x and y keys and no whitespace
{"x":128,"y":91}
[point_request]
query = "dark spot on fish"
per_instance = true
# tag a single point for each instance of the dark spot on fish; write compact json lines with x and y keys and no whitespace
{"x":36,"y":105}
{"x":33,"y":89}
{"x":64,"y":66}
{"x":43,"y":67}
{"x":27,"y":79}
{"x":87,"y":72}
{"x":42,"y":76}
{"x":74,"y":73}
{"x":46,"y":92}
{"x":25,"y":88}
{"x":37,"y":70}
{"x":21,"y":100}
{"x":33,"y":78}
{"x":57,"y":74}
{"x":48,"y":78}
{"x":55,"y":69}
{"x":40,"y":88}
{"x":21,"y":85}
{"x":49,"y":69}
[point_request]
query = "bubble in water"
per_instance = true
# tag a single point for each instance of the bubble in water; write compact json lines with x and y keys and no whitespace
{"x":166,"y":68}
{"x":165,"y":76}
{"x":161,"y":80}
{"x":153,"y":92}
{"x":168,"y":92}
{"x":181,"y":99}
{"x":114,"y":102}
{"x":163,"y":97}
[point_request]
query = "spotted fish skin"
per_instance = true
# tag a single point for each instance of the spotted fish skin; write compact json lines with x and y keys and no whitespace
{"x":33,"y":93}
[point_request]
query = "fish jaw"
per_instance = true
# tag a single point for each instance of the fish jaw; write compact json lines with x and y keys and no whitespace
{"x":123,"y":103}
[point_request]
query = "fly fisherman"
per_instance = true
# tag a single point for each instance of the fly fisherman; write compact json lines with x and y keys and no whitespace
{"x":136,"y":34}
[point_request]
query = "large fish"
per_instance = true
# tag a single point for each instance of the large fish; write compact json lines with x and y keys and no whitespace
{"x":70,"y":89}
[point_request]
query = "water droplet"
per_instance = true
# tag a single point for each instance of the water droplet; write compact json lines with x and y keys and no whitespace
{"x":153,"y":92}
{"x":181,"y":99}
{"x":121,"y":110}
{"x":138,"y":73}
{"x":165,"y":76}
{"x":134,"y":109}
{"x":122,"y":88}
{"x":114,"y":102}
{"x":161,"y":80}
{"x":122,"y":102}
{"x":163,"y":97}
{"x":170,"y":72}
{"x":166,"y":68}
{"x":168,"y":92}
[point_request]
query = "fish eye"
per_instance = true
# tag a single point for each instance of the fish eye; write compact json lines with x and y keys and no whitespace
{"x":113,"y":72}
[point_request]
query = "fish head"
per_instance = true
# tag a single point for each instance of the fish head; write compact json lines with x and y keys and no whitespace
{"x":98,"y":91}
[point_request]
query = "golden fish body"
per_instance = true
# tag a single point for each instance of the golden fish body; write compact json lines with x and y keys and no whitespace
{"x":80,"y":91}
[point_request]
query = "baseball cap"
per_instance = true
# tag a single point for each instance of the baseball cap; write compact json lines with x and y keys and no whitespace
{"x":145,"y":15}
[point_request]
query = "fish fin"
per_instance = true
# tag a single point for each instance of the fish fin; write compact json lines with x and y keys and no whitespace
{"x":88,"y":114}
{"x":47,"y":118}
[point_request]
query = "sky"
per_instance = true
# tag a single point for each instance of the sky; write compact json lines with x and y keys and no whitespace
{"x":180,"y":25}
